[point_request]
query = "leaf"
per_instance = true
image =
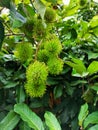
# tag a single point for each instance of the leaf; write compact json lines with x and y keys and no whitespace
{"x":95,"y":127}
{"x":95,"y":31}
{"x":71,"y":8}
{"x":40,"y":7}
{"x":51,"y":121}
{"x":10,"y":121}
{"x":16,"y":17}
{"x":77,"y":64}
{"x":58,"y":91}
{"x":94,"y":87}
{"x":83,"y":113}
{"x":91,"y":119}
{"x":20,"y":94}
{"x":28,"y":116}
{"x":93,"y":67}
{"x":94,"y":21}
{"x":11,"y":84}
{"x":24,"y":126}
{"x":74,"y":73}
{"x":1,"y":34}
{"x":92,"y":55}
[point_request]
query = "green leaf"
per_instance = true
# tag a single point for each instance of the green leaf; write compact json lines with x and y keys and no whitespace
{"x":71,"y":8}
{"x":83,"y":113}
{"x":11,"y":84}
{"x":91,"y":119}
{"x":1,"y":34}
{"x":92,"y":55}
{"x":94,"y":87}
{"x":58,"y":91}
{"x":74,"y":73}
{"x":20,"y":94}
{"x":10,"y":121}
{"x":24,"y":126}
{"x":94,"y":21}
{"x":40,"y":7}
{"x":51,"y":121}
{"x":16,"y":17}
{"x":95,"y":31}
{"x":95,"y":127}
{"x":28,"y":116}
{"x":77,"y":64}
{"x":93,"y":67}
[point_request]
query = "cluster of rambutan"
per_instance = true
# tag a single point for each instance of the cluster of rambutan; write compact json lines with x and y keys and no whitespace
{"x":48,"y":60}
{"x":49,"y":53}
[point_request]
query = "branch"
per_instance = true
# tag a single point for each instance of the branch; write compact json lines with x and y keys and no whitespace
{"x":10,"y":34}
{"x":32,"y":4}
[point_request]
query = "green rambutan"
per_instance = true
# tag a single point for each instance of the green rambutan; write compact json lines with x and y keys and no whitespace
{"x":39,"y":30}
{"x":36,"y":75}
{"x":53,"y":47}
{"x":35,"y":90}
{"x":50,"y":15}
{"x":55,"y":65}
{"x":23,"y":51}
{"x":42,"y":55}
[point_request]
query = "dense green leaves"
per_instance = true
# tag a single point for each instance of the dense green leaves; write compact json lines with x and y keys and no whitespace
{"x":28,"y":116}
{"x":51,"y":121}
{"x":10,"y":121}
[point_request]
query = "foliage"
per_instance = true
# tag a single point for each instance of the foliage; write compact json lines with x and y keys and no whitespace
{"x":48,"y":65}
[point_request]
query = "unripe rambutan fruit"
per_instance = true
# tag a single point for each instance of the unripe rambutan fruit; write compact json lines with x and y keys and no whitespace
{"x":39,"y":30}
{"x":35,"y":90}
{"x":23,"y":51}
{"x":50,"y":15}
{"x":36,"y":75}
{"x":42,"y":55}
{"x":53,"y":47}
{"x":28,"y":26}
{"x":55,"y":65}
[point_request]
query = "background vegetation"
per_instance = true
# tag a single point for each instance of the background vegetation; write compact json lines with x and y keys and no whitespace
{"x":48,"y":65}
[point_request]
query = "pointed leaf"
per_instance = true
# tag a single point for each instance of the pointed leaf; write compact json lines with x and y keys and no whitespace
{"x":91,"y":119}
{"x":51,"y":121}
{"x":10,"y":121}
{"x":28,"y":116}
{"x":93,"y":67}
{"x":83,"y":113}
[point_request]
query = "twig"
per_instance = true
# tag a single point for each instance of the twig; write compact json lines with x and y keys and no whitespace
{"x":10,"y":34}
{"x":32,"y":4}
